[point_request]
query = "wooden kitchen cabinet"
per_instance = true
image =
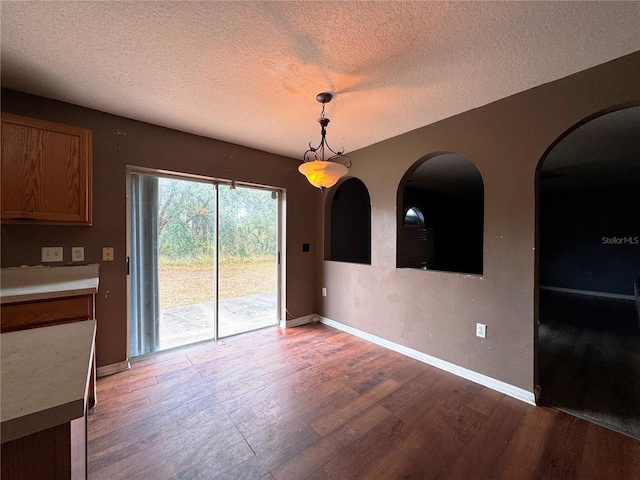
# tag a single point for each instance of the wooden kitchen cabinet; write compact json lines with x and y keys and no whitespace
{"x":45,"y":171}
{"x":58,"y":453}
{"x":44,"y":376}
{"x":42,"y":313}
{"x":19,"y":316}
{"x":35,"y":297}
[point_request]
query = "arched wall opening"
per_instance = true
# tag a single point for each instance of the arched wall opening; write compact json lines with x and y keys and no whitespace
{"x":588,"y":270}
{"x":348,"y":223}
{"x":448,"y":191}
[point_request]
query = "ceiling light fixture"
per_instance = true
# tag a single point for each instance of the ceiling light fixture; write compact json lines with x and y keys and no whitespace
{"x":323,"y":173}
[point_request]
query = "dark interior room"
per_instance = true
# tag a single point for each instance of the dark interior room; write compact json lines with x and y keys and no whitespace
{"x":589,"y":327}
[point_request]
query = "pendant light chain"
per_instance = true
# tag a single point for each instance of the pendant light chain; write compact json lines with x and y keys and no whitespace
{"x":323,"y":173}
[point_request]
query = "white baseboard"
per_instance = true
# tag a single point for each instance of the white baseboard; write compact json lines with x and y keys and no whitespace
{"x":492,"y":383}
{"x":617,"y":296}
{"x":295,"y":322}
{"x":112,"y":368}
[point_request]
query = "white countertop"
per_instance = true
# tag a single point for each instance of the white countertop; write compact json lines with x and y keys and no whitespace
{"x":44,"y":378}
{"x":22,"y":284}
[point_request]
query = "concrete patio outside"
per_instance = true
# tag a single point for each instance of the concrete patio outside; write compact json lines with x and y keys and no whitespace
{"x":193,"y":323}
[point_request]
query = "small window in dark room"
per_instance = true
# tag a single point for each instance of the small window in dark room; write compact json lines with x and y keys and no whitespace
{"x":449,"y":238}
{"x":417,"y":244}
{"x":414,"y":218}
{"x":350,"y":223}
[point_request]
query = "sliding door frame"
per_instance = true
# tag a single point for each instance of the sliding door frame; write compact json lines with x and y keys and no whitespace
{"x":216,"y":183}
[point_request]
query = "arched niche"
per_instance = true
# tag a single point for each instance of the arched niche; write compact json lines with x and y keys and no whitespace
{"x":447,"y":235}
{"x":348,"y":223}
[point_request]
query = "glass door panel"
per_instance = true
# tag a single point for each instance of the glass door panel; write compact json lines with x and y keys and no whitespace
{"x":172,"y":262}
{"x":204,"y":261}
{"x":186,"y":236}
{"x":247,"y":259}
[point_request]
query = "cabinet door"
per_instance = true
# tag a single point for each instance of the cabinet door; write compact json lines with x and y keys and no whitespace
{"x":46,"y":172}
{"x":41,"y":313}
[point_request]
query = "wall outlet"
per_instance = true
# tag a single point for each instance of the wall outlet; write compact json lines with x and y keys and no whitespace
{"x":324,"y":292}
{"x":77,"y":254}
{"x":481,"y":330}
{"x":51,"y":254}
{"x":107,"y":254}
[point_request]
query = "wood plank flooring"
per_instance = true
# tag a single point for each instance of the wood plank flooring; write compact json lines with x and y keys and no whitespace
{"x":313,"y":402}
{"x":589,"y":350}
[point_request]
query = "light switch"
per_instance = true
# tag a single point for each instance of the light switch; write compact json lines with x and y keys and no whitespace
{"x":107,"y":254}
{"x":481,"y":330}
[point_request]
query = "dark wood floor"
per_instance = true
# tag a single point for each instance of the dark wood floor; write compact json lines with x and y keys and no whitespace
{"x":589,"y":351}
{"x":313,"y":402}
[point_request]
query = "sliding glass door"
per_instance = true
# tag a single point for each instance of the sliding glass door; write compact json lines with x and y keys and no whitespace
{"x":203,"y":261}
{"x":248,"y":254}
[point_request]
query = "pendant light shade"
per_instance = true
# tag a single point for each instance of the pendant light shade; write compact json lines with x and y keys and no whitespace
{"x":323,"y":173}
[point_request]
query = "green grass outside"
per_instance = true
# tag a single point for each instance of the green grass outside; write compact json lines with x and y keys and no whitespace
{"x":187,"y":282}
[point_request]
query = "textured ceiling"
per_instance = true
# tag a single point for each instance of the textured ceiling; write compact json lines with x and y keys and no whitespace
{"x":248,"y":72}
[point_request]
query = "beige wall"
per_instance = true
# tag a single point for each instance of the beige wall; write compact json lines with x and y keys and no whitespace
{"x":436,"y":312}
{"x":144,"y":145}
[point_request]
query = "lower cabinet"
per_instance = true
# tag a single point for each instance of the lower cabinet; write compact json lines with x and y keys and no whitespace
{"x":41,"y":313}
{"x":54,"y":454}
{"x":53,"y":311}
{"x":60,"y":452}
